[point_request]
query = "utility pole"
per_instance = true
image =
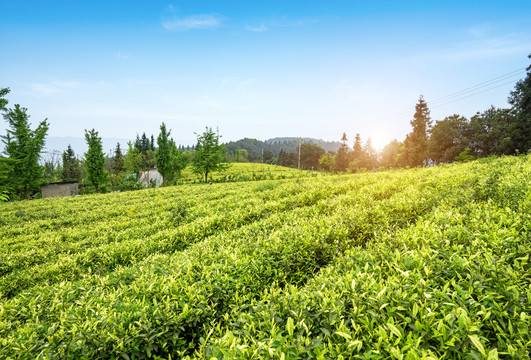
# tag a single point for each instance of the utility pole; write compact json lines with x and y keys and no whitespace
{"x":300,"y":140}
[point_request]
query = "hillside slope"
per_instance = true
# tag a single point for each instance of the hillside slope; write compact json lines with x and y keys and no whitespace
{"x":420,"y":263}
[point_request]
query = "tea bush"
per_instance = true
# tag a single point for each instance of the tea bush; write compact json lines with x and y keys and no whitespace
{"x":408,"y":264}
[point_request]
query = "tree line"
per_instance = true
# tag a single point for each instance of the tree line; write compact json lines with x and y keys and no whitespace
{"x":495,"y":131}
{"x":21,"y":173}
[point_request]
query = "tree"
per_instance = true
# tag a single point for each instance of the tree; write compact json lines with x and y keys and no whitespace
{"x":357,"y":156}
{"x":448,"y":139}
{"x":152,"y":144}
{"x":71,"y":166}
{"x":133,"y":159}
{"x":465,"y":155}
{"x":326,"y":161}
{"x":52,"y":167}
{"x":163,"y":156}
{"x":490,"y":133}
{"x":179,"y":159}
{"x":310,"y":155}
{"x":520,"y":128}
{"x":342,"y":157}
{"x":267,"y":156}
{"x":209,"y":154}
{"x":241,"y":155}
{"x":23,"y":148}
{"x":415,"y":145}
{"x":95,"y":160}
{"x":390,"y":154}
{"x":370,"y":160}
{"x":283,"y":158}
{"x":116,"y":167}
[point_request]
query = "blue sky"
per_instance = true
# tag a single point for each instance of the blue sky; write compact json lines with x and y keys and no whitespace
{"x":258,"y":69}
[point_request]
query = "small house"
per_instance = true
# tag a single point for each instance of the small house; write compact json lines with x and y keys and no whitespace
{"x":60,"y":189}
{"x":151,"y":178}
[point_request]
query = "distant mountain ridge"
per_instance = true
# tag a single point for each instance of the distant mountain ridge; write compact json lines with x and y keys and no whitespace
{"x":288,"y":144}
{"x":253,"y":146}
{"x":327,"y":145}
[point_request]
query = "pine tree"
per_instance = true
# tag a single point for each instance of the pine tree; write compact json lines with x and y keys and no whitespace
{"x":23,"y":147}
{"x":116,"y":167}
{"x":71,"y":168}
{"x":342,"y":157}
{"x":357,"y":157}
{"x":95,"y":160}
{"x":416,"y":142}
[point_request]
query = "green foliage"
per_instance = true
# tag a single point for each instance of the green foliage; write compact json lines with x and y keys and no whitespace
{"x":327,"y":162}
{"x":3,"y":101}
{"x":164,"y":164}
{"x":133,"y":159}
{"x":171,"y":161}
{"x":390,"y":155}
{"x":23,"y":146}
{"x":239,"y":172}
{"x":341,"y":159}
{"x":116,"y":167}
{"x":209,"y":154}
{"x":95,"y":160}
{"x":310,"y":156}
{"x":465,"y":155}
{"x":448,"y":139}
{"x":520,"y":127}
{"x":71,"y":170}
{"x":416,"y":142}
{"x":412,"y":264}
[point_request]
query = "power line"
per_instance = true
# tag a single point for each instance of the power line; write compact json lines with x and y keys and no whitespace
{"x":463,"y":94}
{"x":481,"y":85}
{"x":479,"y":92}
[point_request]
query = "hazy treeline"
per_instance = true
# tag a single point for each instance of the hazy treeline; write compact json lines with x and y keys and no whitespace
{"x":495,"y":131}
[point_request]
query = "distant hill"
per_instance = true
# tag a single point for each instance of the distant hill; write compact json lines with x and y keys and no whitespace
{"x":327,"y":145}
{"x":288,"y":144}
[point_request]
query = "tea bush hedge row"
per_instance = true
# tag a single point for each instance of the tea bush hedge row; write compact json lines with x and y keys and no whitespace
{"x":409,"y":264}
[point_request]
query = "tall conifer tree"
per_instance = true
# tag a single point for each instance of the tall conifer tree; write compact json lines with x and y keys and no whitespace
{"x":95,"y":160}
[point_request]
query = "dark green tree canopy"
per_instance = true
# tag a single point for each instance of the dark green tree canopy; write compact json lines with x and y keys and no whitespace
{"x":520,"y":128}
{"x":71,"y":166}
{"x":310,"y":155}
{"x":448,"y":139}
{"x":117,"y":165}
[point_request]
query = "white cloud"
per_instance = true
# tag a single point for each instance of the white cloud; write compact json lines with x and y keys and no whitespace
{"x":172,"y":22}
{"x":124,"y":56}
{"x":259,"y":28}
{"x":282,"y":22}
{"x":44,"y":90}
{"x":53,"y":88}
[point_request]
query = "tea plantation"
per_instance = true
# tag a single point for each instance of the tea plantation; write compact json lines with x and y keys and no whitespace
{"x":411,"y":264}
